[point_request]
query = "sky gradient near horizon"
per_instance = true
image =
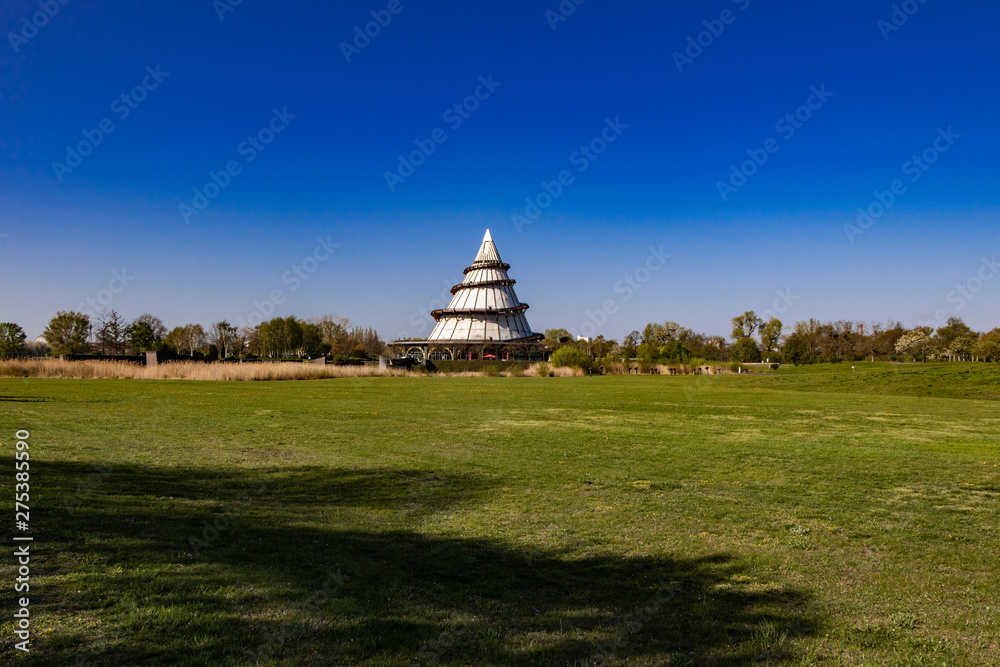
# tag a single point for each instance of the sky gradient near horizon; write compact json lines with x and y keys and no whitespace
{"x":116,"y":117}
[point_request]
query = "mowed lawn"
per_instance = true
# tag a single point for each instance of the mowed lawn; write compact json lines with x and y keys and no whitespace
{"x":722,"y":520}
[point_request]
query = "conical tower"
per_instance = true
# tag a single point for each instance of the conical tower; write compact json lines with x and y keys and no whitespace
{"x":484,"y":307}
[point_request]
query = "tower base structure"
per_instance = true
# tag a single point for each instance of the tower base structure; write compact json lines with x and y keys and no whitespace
{"x":423,"y":350}
{"x":484,"y":319}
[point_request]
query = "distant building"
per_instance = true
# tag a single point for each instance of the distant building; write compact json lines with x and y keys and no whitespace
{"x":484,"y":319}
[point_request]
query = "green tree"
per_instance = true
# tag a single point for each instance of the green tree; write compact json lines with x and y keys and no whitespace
{"x":556,"y":338}
{"x":770,"y":333}
{"x":293,"y":334}
{"x":601,"y":346}
{"x":175,"y":339}
{"x":67,"y":333}
{"x":674,"y":352}
{"x":312,"y":340}
{"x":797,"y":349}
{"x":885,"y":338}
{"x":955,"y":338}
{"x":280,"y":337}
{"x":987,"y":347}
{"x":155,"y":326}
{"x":142,"y":338}
{"x":744,"y":325}
{"x":187,"y":338}
{"x":745,"y":350}
{"x":654,"y":335}
{"x":713,"y":348}
{"x":271,"y":337}
{"x":11,"y":340}
{"x":961,"y":347}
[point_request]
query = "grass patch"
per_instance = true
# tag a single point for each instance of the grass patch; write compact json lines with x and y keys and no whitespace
{"x":943,"y":380}
{"x":509,"y":521}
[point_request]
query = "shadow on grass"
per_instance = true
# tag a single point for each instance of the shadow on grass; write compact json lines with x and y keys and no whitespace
{"x":168,"y":566}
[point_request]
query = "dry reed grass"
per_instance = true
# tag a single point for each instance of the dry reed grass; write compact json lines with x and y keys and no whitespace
{"x":554,"y":371}
{"x":617,"y":368}
{"x":185,"y":370}
{"x":190,"y":370}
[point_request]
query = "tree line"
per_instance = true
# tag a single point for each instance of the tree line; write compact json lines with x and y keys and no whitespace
{"x":71,"y":332}
{"x":753,"y":340}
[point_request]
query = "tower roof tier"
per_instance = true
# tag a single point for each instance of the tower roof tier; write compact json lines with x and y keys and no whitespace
{"x":441,"y":312}
{"x":503,"y":266}
{"x":485,"y":283}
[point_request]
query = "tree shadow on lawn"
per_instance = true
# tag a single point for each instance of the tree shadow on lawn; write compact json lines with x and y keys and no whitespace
{"x":170,"y":566}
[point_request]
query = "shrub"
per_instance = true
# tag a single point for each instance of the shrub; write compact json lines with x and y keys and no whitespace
{"x":544,"y":370}
{"x":573,"y":357}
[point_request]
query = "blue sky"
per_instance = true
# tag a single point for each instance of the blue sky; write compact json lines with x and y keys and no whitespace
{"x":643,"y":137}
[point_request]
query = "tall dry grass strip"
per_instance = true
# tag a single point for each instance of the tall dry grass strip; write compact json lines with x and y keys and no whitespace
{"x":190,"y":370}
{"x":186,"y":370}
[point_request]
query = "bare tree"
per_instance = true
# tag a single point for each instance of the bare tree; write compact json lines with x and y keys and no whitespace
{"x":241,"y":340}
{"x":195,"y":336}
{"x":112,"y":332}
{"x":367,"y":340}
{"x":222,"y":335}
{"x":334,"y":328}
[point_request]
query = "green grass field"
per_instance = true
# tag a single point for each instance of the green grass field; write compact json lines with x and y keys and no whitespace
{"x":824,"y":517}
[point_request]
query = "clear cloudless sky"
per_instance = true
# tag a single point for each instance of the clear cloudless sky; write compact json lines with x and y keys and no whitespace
{"x":890,"y":90}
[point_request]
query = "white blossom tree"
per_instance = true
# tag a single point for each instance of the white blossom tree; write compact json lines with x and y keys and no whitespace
{"x":916,"y":342}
